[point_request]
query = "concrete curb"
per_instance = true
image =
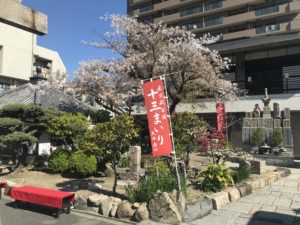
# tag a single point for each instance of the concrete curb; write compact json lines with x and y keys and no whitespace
{"x":248,"y":186}
{"x":103,"y":218}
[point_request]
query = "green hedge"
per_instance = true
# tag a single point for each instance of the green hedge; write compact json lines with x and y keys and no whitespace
{"x":83,"y":164}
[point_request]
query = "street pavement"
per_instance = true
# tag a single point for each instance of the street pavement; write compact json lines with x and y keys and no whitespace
{"x":36,"y":215}
{"x":276,"y":204}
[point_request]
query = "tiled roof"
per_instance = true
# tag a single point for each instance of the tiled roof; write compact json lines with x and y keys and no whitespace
{"x":49,"y":98}
{"x":255,"y":42}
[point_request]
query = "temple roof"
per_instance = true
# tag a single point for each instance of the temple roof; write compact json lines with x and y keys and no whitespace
{"x":46,"y":97}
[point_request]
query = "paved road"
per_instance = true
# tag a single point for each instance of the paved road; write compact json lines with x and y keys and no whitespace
{"x":34,"y":215}
{"x":272,"y":205}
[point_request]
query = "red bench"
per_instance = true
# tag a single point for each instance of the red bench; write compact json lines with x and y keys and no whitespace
{"x":2,"y":185}
{"x":59,"y":200}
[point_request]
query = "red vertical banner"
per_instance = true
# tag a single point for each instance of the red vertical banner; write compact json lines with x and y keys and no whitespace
{"x":221,"y":116}
{"x":157,"y":113}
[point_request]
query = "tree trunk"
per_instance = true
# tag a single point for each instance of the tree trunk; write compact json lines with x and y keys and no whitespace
{"x":115,"y":177}
{"x":175,"y":102}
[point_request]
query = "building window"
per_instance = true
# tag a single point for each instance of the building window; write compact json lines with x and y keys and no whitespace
{"x":193,"y":25}
{"x":214,"y":21}
{"x":267,"y":10}
{"x":213,"y":5}
{"x":191,"y":11}
{"x":145,"y":8}
{"x":4,"y":86}
{"x":267,"y":28}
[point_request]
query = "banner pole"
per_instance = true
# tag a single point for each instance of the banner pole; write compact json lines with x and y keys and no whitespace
{"x":171,"y":134}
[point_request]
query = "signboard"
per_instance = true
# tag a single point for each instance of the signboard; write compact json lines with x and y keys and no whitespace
{"x":221,"y":117}
{"x":157,"y":113}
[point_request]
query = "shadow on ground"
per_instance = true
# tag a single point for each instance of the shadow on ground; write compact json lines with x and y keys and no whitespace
{"x":274,"y":218}
{"x":33,"y":208}
{"x":86,"y":184}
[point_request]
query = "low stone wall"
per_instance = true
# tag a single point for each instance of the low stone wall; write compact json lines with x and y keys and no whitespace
{"x":171,"y":208}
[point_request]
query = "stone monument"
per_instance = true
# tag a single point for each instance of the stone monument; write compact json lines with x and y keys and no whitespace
{"x":266,"y":100}
{"x":135,"y":159}
{"x":267,"y":124}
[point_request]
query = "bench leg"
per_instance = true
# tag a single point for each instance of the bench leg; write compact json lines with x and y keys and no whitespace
{"x":56,"y":213}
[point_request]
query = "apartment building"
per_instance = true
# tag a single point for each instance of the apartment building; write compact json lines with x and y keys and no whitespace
{"x":260,"y":36}
{"x":20,"y":56}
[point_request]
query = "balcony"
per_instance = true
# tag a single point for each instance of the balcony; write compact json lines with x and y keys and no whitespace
{"x":136,"y":2}
{"x":176,"y":17}
{"x":267,"y":28}
{"x":267,"y":10}
{"x":145,"y":8}
{"x":278,"y":28}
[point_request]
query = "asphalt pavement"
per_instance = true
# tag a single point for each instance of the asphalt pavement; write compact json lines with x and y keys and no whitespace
{"x":28,"y":214}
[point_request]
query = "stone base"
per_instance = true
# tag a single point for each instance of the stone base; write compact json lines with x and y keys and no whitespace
{"x":277,"y":160}
{"x":258,"y":166}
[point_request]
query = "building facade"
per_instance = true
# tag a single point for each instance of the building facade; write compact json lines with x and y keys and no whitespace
{"x":20,"y":56}
{"x":260,"y":36}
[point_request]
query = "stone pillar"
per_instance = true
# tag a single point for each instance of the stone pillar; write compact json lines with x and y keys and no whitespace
{"x":276,"y":110}
{"x":267,"y":112}
{"x":287,"y":113}
{"x":135,"y":158}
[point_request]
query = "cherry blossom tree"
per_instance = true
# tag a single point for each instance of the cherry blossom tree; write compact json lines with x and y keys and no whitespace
{"x":147,"y":51}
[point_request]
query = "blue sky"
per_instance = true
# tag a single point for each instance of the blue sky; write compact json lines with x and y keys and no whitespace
{"x":70,"y":22}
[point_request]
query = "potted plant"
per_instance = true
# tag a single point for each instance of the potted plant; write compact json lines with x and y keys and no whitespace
{"x":277,"y":139}
{"x":256,"y":140}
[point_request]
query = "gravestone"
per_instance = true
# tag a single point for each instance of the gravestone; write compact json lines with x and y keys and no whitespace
{"x":286,"y":123}
{"x":287,"y":113}
{"x":134,"y":159}
{"x":267,"y":124}
{"x":276,"y":110}
{"x":267,"y":112}
{"x":277,"y":123}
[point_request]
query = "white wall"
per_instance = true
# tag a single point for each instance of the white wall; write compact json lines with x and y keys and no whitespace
{"x":57,"y":63}
{"x":17,"y":50}
{"x":245,"y":104}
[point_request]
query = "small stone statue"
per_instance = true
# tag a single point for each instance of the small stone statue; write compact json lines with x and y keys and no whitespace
{"x":266,"y":100}
{"x":256,"y":111}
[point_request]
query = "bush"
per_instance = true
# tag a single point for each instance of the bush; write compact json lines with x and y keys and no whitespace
{"x":242,"y":173}
{"x":83,"y":164}
{"x":59,"y":161}
{"x":124,"y":161}
{"x":215,"y":178}
{"x":159,"y":168}
{"x":148,"y":186}
{"x":257,"y":137}
{"x":277,"y":137}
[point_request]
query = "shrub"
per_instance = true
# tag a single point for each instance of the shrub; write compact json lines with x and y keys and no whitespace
{"x":82,"y":163}
{"x":242,"y":173}
{"x":277,"y":138}
{"x":124,"y":161}
{"x":214,"y":178}
{"x":159,"y":168}
{"x":59,"y":161}
{"x":148,"y":186}
{"x":257,"y":137}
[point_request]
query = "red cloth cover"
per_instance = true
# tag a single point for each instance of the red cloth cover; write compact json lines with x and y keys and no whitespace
{"x":41,"y":196}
